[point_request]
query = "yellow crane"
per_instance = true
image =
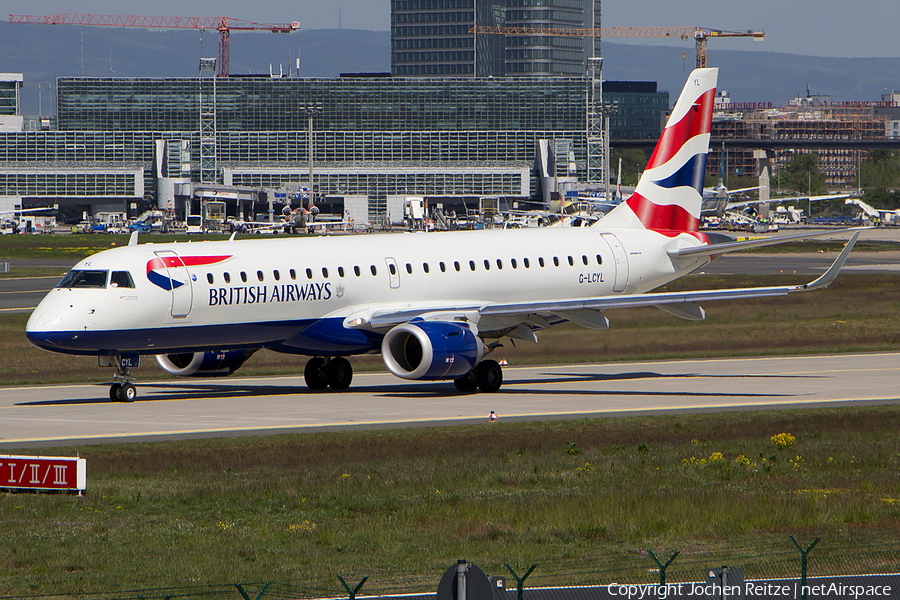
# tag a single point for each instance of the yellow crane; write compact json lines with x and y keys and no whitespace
{"x":700,"y":34}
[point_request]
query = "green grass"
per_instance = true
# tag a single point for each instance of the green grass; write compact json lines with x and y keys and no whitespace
{"x":582,"y":499}
{"x":78,"y":246}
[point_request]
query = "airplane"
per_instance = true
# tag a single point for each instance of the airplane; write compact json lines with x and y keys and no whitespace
{"x":435,"y":305}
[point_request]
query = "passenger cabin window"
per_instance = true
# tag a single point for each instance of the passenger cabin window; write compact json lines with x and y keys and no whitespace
{"x":487,"y":265}
{"x":472,"y":264}
{"x":325,"y":272}
{"x":374,"y":270}
{"x":259,"y":275}
{"x":409,"y":268}
{"x":309,"y":273}
{"x":456,"y":265}
{"x":392,"y":269}
{"x":340,"y":271}
{"x":227,"y":278}
{"x":555,"y":261}
{"x":584,"y":259}
{"x":293,"y":274}
{"x":527,"y":263}
{"x":122,"y":279}
{"x":512,"y":261}
{"x":84,"y":279}
{"x":443,"y":268}
{"x":599,"y":260}
{"x":499,"y":264}
{"x":425,"y":267}
{"x":356,"y":271}
{"x":571,"y":262}
{"x":209,"y":277}
{"x":243,"y":277}
{"x":541,"y":261}
{"x":277,"y":275}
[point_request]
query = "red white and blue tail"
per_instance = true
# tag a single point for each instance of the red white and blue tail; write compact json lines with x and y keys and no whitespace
{"x":668,"y":196}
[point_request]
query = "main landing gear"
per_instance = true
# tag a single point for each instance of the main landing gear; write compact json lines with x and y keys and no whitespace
{"x":487,"y":377}
{"x":321,"y":373}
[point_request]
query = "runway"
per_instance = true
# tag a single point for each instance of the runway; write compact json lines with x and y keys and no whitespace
{"x":80,"y":414}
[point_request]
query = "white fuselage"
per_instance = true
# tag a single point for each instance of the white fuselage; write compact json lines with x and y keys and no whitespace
{"x":293,"y":294}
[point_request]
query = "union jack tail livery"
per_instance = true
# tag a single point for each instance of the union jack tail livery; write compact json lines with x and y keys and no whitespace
{"x":668,"y":196}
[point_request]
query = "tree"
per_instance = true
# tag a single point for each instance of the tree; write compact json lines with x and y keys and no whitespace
{"x":880,"y":171}
{"x":634,"y":160}
{"x":802,"y":174}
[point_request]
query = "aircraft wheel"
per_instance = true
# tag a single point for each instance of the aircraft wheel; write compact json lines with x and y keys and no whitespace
{"x":114,"y":392}
{"x":127,"y":393}
{"x":489,"y":376}
{"x":467,"y":383}
{"x":339,"y":374}
{"x":314,"y":374}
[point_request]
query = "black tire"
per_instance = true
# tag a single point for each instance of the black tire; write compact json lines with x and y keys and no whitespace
{"x":314,"y":374}
{"x":466,"y":384}
{"x":489,"y":376}
{"x":114,"y":392}
{"x":339,"y":374}
{"x":127,"y":393}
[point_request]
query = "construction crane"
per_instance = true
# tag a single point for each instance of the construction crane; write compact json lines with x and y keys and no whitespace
{"x":700,"y":34}
{"x":224,"y":25}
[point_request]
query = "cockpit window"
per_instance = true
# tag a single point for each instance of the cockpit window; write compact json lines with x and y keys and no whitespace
{"x":121,"y":279}
{"x":84,"y":279}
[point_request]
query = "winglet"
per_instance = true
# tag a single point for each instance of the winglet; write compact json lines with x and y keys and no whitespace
{"x":831,"y":274}
{"x":133,"y":240}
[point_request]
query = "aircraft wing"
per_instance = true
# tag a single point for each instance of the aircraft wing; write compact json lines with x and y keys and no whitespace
{"x":718,"y":249}
{"x":584,"y":311}
{"x":747,"y":189}
{"x":788,"y":199}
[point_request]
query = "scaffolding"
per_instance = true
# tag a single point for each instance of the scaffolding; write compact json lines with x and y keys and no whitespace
{"x":801,"y":123}
{"x":207,"y":102}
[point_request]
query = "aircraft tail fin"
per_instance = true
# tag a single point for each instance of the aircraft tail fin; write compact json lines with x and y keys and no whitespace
{"x":668,"y":196}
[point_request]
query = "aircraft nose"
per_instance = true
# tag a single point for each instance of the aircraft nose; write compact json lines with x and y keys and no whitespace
{"x":41,"y":321}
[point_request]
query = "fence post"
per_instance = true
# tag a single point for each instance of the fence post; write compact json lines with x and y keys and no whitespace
{"x":352,"y":593}
{"x":803,"y":554}
{"x":663,"y":567}
{"x":520,"y":581}
{"x":244,"y":594}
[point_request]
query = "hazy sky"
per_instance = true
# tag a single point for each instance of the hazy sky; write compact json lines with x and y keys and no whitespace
{"x":838,"y":28}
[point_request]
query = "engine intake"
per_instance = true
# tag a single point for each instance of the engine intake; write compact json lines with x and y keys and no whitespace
{"x":212,"y":363}
{"x":431,"y":350}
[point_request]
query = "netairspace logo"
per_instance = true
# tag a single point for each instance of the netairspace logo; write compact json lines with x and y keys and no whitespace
{"x":748,"y":589}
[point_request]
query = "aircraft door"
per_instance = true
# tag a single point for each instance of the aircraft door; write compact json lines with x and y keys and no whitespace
{"x":621,"y":259}
{"x":394,"y":272}
{"x":179,"y":284}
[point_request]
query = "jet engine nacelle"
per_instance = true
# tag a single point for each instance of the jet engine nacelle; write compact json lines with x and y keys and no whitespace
{"x":431,"y":350}
{"x":203,"y":364}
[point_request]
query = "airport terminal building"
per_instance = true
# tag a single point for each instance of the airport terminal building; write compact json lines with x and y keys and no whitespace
{"x":136,"y":142}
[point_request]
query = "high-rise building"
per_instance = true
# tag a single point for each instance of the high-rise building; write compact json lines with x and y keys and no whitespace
{"x":433,"y":38}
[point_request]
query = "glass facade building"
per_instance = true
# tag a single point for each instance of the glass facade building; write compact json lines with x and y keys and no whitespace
{"x":374,"y":137}
{"x":640,"y":111}
{"x":433,"y":38}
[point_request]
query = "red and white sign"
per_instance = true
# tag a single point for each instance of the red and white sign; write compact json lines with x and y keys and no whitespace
{"x":43,"y":473}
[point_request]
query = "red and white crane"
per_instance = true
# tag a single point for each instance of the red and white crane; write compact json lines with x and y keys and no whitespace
{"x":224,"y":25}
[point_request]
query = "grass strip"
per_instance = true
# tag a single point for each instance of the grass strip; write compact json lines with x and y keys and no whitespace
{"x":583,"y":499}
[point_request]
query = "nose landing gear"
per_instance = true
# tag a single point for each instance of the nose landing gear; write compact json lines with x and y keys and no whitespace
{"x":122,"y":390}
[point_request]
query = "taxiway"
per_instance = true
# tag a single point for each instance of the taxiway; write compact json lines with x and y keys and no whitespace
{"x":78,"y":414}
